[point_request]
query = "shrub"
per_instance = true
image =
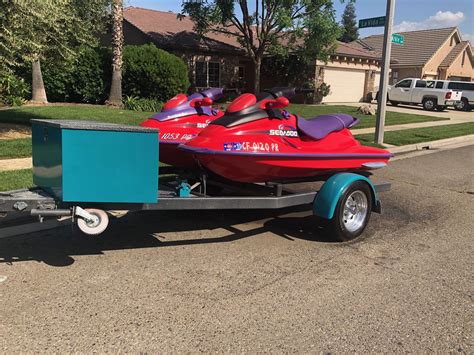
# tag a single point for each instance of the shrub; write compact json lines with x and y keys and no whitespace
{"x":153,"y":73}
{"x":140,"y":104}
{"x":82,"y":79}
{"x":86,"y":81}
{"x":13,"y":90}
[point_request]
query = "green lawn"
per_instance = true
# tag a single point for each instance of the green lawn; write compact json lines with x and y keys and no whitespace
{"x":392,"y":118}
{"x":14,"y":180}
{"x":418,"y":135}
{"x":15,"y":148}
{"x":23,"y":115}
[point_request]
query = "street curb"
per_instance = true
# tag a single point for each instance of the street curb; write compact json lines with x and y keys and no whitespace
{"x":458,"y":141}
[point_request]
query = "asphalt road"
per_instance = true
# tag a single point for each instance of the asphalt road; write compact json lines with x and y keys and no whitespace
{"x":256,"y":281}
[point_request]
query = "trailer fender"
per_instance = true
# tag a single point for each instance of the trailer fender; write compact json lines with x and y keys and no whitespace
{"x":328,"y":196}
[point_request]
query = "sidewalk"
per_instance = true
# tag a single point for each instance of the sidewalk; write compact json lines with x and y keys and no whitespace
{"x":16,"y":164}
{"x":401,"y":127}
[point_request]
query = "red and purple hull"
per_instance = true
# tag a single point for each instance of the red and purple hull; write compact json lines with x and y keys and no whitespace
{"x":272,"y":150}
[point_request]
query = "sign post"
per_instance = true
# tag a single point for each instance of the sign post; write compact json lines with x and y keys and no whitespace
{"x":382,"y":98}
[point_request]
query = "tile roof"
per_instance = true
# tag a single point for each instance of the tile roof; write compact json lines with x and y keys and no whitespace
{"x":418,"y":48}
{"x":170,"y":32}
{"x":356,"y":50}
{"x":458,"y":48}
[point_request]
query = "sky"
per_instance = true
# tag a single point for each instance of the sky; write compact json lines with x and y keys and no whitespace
{"x":410,"y":15}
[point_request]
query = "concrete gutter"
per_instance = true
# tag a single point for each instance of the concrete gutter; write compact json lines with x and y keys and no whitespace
{"x":456,"y":142}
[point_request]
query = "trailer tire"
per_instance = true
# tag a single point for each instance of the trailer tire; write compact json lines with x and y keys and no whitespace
{"x":352,"y":212}
{"x":429,"y":103}
{"x":94,"y":229}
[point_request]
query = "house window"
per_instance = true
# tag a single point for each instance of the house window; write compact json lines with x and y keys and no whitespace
{"x":207,"y":74}
{"x":241,"y":75}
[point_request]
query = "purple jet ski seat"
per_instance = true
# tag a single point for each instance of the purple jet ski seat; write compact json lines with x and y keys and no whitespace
{"x":320,"y":126}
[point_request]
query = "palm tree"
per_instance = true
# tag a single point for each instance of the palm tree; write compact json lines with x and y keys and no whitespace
{"x":115,"y":96}
{"x":38,"y":93}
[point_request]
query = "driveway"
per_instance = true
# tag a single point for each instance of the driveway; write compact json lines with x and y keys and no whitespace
{"x":256,"y":281}
{"x":454,"y":115}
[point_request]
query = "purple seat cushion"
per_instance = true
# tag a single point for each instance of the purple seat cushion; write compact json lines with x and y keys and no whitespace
{"x":320,"y":126}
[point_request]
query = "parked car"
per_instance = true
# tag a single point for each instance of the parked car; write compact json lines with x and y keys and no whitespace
{"x":416,"y":91}
{"x":467,"y":88}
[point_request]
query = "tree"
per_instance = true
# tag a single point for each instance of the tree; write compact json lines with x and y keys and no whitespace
{"x":32,"y":31}
{"x":115,"y":96}
{"x":305,"y":27}
{"x":349,"y":24}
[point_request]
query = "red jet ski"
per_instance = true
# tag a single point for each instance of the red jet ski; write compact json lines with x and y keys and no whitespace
{"x":181,"y":119}
{"x":257,"y":141}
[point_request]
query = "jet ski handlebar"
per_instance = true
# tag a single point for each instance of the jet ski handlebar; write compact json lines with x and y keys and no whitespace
{"x":217,"y":93}
{"x":287,"y":92}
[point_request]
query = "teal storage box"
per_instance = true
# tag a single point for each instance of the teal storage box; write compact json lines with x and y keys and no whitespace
{"x":83,"y":161}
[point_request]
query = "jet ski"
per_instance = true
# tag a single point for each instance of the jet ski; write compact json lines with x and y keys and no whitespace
{"x":181,"y":119}
{"x":256,"y":140}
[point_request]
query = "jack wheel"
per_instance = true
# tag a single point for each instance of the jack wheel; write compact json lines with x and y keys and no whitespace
{"x":94,"y":227}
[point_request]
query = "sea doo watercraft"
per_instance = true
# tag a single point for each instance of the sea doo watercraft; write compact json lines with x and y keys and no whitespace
{"x":181,"y":119}
{"x":258,"y":141}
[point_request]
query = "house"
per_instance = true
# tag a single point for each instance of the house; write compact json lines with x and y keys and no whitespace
{"x":214,"y":60}
{"x":219,"y":60}
{"x":427,"y":54}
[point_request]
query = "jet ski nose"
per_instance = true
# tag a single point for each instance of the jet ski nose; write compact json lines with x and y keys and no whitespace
{"x":150,"y":123}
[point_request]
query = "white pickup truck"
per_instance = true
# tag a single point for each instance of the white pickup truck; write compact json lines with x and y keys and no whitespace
{"x":415,"y":91}
{"x":467,"y":88}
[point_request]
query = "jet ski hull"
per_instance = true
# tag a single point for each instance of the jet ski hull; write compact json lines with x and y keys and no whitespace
{"x":275,"y":150}
{"x":179,"y":121}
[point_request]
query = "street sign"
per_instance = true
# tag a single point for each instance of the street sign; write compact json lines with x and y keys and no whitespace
{"x":372,"y":22}
{"x":398,"y":39}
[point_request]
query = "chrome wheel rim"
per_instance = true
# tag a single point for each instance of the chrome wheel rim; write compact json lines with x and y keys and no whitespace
{"x":355,"y":211}
{"x":429,"y":104}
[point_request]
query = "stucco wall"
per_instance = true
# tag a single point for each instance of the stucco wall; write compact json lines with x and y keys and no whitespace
{"x":405,"y":73}
{"x":433,"y":64}
{"x":458,"y":69}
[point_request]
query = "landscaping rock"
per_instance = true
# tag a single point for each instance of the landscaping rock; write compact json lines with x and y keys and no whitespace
{"x":367,"y":109}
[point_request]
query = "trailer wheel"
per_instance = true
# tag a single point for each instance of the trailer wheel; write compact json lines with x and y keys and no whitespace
{"x":94,"y":227}
{"x":352,"y":212}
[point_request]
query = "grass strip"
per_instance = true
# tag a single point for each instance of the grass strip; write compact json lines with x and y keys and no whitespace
{"x":15,"y":180}
{"x":419,"y":135}
{"x":15,"y":148}
{"x":392,"y":118}
{"x":23,"y":115}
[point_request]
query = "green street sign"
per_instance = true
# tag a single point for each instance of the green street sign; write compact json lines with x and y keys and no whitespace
{"x":372,"y":22}
{"x":398,"y":39}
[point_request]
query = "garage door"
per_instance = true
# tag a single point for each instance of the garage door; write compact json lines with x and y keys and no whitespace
{"x":346,"y":85}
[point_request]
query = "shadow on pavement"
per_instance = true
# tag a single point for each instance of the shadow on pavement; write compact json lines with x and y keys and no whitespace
{"x":142,"y":230}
